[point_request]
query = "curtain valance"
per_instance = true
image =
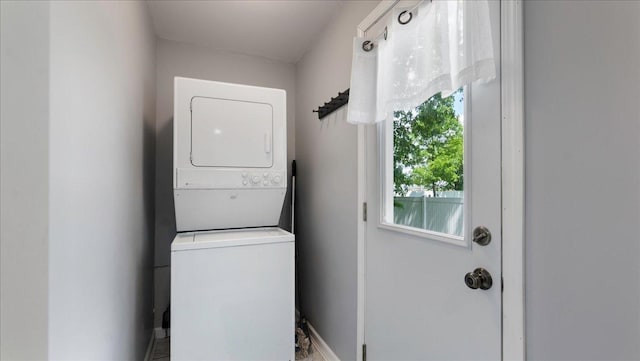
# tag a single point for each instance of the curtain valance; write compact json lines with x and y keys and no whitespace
{"x":446,"y":44}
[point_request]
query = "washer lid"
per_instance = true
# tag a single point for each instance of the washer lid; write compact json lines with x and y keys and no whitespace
{"x":230,"y":238}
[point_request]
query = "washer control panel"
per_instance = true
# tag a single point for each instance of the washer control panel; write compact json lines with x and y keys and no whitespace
{"x":261,"y":179}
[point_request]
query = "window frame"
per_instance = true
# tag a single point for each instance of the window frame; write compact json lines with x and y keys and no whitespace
{"x":384,"y":131}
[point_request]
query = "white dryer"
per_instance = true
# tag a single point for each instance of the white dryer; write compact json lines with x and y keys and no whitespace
{"x":230,"y":155}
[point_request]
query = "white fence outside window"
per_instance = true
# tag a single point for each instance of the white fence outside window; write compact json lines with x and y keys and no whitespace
{"x":437,"y":214}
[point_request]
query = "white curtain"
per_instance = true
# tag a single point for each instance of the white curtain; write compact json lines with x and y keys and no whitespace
{"x":447,"y":44}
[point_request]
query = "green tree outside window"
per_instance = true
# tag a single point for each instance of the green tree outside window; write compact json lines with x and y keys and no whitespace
{"x":428,"y":147}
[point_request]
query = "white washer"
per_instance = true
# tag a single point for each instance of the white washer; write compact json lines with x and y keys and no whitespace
{"x":232,"y":295}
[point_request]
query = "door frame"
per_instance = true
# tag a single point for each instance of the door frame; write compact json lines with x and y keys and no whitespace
{"x":512,"y":189}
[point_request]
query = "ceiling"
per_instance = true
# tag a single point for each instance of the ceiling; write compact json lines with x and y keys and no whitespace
{"x":276,"y":29}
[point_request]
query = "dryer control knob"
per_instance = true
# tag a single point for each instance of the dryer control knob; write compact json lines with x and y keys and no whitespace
{"x":244,"y":182}
{"x":255,"y":179}
{"x":276,"y":179}
{"x":266,"y":175}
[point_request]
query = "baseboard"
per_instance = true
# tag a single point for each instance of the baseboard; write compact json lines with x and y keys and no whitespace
{"x":162,"y":332}
{"x":321,"y":346}
{"x":152,"y":342}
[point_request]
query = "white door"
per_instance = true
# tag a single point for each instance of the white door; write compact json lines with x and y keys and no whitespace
{"x":231,"y":133}
{"x":418,"y":250}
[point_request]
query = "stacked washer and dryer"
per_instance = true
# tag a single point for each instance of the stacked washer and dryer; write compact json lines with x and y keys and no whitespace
{"x":232,"y":269}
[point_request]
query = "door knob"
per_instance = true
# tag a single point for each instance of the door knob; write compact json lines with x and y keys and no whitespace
{"x":482,"y":235}
{"x":479,"y":278}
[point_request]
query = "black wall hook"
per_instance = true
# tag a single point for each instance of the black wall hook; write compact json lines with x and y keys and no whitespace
{"x":333,"y":104}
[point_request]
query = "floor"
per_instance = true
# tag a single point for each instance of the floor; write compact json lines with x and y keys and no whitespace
{"x":315,"y":355}
{"x":162,"y":349}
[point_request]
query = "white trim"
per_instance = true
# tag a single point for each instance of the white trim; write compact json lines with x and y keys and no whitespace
{"x":321,"y":346}
{"x":426,"y":234}
{"x":362,"y":231}
{"x":512,"y":90}
{"x":152,"y":341}
{"x":375,"y":15}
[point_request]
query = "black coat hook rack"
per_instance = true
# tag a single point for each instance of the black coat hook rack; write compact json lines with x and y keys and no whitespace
{"x":333,"y":104}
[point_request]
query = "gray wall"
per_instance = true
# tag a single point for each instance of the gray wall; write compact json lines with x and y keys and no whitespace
{"x":582,"y":143}
{"x":102,"y":91}
{"x":24,"y":164}
{"x":582,"y":73}
{"x":326,"y":210}
{"x":180,"y":59}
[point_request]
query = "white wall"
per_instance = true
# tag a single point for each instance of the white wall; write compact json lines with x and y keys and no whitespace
{"x":582,"y":85}
{"x":180,"y":59}
{"x":24,"y":164}
{"x":326,"y":209}
{"x":102,"y":94}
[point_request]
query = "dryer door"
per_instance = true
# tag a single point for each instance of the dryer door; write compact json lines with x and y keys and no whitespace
{"x":231,"y":133}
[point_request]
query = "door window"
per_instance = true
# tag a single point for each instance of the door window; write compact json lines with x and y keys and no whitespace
{"x":231,"y":133}
{"x":423,"y":163}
